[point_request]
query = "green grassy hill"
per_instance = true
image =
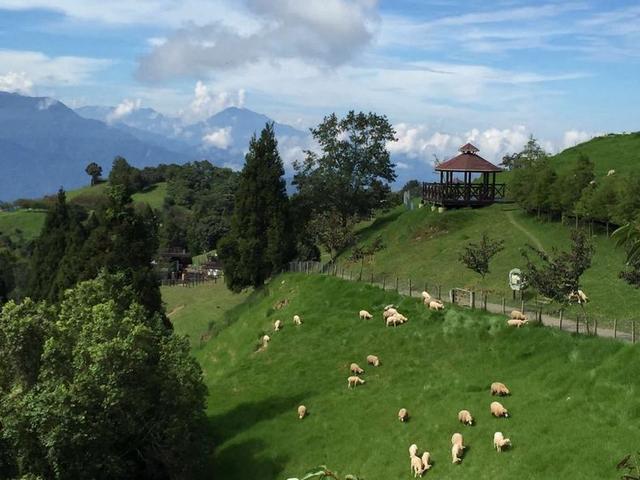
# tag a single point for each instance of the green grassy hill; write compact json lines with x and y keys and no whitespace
{"x":574,"y":404}
{"x":615,"y":151}
{"x":424,"y":246}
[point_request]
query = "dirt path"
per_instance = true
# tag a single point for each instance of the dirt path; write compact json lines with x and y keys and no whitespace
{"x":175,"y":310}
{"x":530,"y":235}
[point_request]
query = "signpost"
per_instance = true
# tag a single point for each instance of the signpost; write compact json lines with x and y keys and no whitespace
{"x":516,"y":282}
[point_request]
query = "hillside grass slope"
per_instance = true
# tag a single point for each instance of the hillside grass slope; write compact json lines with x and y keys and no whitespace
{"x":425,"y":246}
{"x":574,"y":400}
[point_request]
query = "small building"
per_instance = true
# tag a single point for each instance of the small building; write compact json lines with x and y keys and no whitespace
{"x":476,"y":188}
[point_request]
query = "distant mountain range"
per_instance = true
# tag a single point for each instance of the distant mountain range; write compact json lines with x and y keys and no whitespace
{"x":45,"y":145}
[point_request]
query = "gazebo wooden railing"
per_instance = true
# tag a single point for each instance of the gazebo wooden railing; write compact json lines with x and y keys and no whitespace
{"x":459,"y":194}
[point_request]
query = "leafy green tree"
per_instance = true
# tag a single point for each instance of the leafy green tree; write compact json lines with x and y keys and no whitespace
{"x":124,"y":174}
{"x":260,"y":241}
{"x":96,"y":388}
{"x":7,"y":276}
{"x":331,"y":232}
{"x":557,"y":275}
{"x":95,"y":172}
{"x":530,"y":155}
{"x":477,"y":256}
{"x":571,"y":184}
{"x":348,"y":175}
{"x":628,"y":208}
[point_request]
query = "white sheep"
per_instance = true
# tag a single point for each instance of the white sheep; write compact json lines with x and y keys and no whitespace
{"x":265,"y":341}
{"x":498,"y":410}
{"x":456,"y":453}
{"x":516,"y":322}
{"x":456,"y":438}
{"x":403,"y":415}
{"x":464,"y":416}
{"x":426,"y":298}
{"x":302,"y":411}
{"x":373,"y":360}
{"x":611,"y":172}
{"x":389,"y":312}
{"x":277,"y":325}
{"x":413,"y":450}
{"x":297,"y":320}
{"x":394,"y":320}
{"x":355,"y":369}
{"x":518,"y":315}
{"x":416,"y":466}
{"x":426,"y":465}
{"x":579,"y":297}
{"x":365,"y":315}
{"x":354,"y":381}
{"x":499,"y":442}
{"x":388,"y":307}
{"x":498,"y":388}
{"x":436,"y":305}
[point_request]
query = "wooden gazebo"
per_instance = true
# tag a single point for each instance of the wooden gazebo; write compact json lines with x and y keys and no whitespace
{"x":471,"y":190}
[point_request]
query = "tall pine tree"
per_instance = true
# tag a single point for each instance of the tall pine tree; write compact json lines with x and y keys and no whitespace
{"x":260,"y":241}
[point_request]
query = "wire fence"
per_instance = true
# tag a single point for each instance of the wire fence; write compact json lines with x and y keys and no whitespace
{"x":536,"y":309}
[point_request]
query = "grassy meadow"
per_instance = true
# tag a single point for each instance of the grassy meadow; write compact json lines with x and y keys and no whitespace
{"x":574,"y":405}
{"x":22,"y":224}
{"x":425,"y":245}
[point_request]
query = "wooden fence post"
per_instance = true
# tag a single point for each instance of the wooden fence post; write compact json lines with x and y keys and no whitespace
{"x":504,"y":306}
{"x":396,"y":284}
{"x":522,"y":306}
{"x":451,"y":296}
{"x":472,"y":299}
{"x":577,"y":323}
{"x":384,"y":282}
{"x":425,"y":287}
{"x":615,"y":328}
{"x":633,"y":331}
{"x":561,"y":316}
{"x":484,"y":301}
{"x":595,"y":326}
{"x":439,"y":291}
{"x":409,"y":287}
{"x":371,"y":278}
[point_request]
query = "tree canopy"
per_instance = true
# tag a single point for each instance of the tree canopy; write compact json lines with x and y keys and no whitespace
{"x":260,"y":240}
{"x":96,"y":387}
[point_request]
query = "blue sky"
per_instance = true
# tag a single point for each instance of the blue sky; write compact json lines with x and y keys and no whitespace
{"x":443,"y":71}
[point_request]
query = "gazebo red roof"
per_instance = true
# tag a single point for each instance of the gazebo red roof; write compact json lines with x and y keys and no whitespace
{"x":468,"y":161}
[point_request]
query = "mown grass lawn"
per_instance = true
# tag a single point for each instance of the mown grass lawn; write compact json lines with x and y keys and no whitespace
{"x":22,"y":224}
{"x":425,"y":246}
{"x":574,"y":407}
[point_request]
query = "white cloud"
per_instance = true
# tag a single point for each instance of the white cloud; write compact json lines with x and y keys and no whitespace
{"x":326,"y":32}
{"x":16,"y":83}
{"x":206,"y":103}
{"x":572,"y":138}
{"x":41,"y":70}
{"x":220,"y":138}
{"x":125,"y":108}
{"x":495,"y":143}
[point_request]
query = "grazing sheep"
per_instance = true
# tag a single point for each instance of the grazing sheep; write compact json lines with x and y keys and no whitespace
{"x":498,"y":388}
{"x":365,"y":315}
{"x":265,"y":341}
{"x":497,"y":410}
{"x":578,"y":297}
{"x":302,"y":411}
{"x":426,"y":298}
{"x":403,"y":415}
{"x":464,"y":416}
{"x":518,"y":315}
{"x":516,"y":322}
{"x":297,"y":320}
{"x":499,"y":442}
{"x":277,"y":325}
{"x":456,"y":438}
{"x":388,"y":307}
{"x":389,"y":313}
{"x":611,"y":172}
{"x":416,"y":466}
{"x":397,"y":319}
{"x":373,"y":360}
{"x":456,"y":453}
{"x":426,"y":457}
{"x":413,"y":450}
{"x":436,"y":305}
{"x":354,"y":368}
{"x":354,"y":381}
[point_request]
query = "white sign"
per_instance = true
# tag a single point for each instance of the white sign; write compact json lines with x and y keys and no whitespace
{"x":516,"y":281}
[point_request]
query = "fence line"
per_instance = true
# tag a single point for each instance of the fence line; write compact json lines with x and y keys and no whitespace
{"x":537,"y":310}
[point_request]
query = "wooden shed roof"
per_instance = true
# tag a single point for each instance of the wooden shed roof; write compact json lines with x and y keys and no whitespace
{"x":468,"y":161}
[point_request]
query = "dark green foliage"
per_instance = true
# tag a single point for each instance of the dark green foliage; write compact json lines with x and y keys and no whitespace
{"x":124,"y":174}
{"x":365,"y":251}
{"x":7,"y":275}
{"x":477,"y":256}
{"x":95,"y":387}
{"x":557,"y":275}
{"x":531,"y":154}
{"x":260,"y":241}
{"x":630,"y":464}
{"x":115,"y":238}
{"x":94,"y":171}
{"x":414,"y":187}
{"x":350,"y":175}
{"x":332,"y":231}
{"x":569,"y":187}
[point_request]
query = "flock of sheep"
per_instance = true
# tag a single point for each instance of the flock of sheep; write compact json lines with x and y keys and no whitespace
{"x":392,"y":317}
